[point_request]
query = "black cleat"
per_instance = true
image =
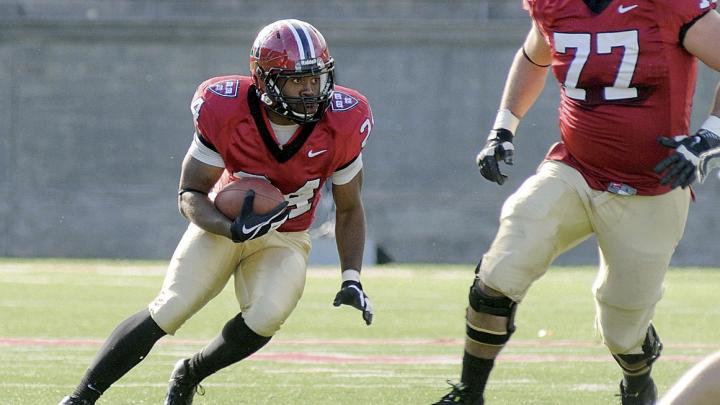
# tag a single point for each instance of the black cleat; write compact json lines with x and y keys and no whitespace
{"x":182,"y":387}
{"x":70,"y":400}
{"x":460,"y":394}
{"x":646,"y":396}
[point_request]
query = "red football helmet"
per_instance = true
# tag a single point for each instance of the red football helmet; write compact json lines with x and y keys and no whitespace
{"x":288,"y":49}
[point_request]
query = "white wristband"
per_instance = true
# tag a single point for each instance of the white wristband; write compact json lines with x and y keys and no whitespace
{"x":507,"y":120}
{"x":712,"y":124}
{"x":350,"y":275}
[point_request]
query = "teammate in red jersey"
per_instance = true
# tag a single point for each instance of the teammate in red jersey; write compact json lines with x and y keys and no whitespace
{"x":287,"y":123}
{"x":621,"y":172}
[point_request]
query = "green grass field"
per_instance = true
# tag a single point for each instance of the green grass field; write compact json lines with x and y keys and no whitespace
{"x":55,"y":313}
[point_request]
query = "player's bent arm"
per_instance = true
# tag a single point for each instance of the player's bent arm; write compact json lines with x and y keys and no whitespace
{"x":696,"y":42}
{"x":526,"y":78}
{"x":696,"y":39}
{"x":350,"y":239}
{"x":525,"y":82}
{"x":196,"y":181}
{"x":349,"y":222}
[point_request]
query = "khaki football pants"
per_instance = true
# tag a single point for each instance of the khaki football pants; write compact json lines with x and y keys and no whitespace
{"x":269,"y":277}
{"x":554,"y":210}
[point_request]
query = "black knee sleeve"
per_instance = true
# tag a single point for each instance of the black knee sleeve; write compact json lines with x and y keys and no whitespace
{"x":498,"y":306}
{"x":637,"y":364}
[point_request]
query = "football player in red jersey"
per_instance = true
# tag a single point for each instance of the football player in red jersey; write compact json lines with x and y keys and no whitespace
{"x":621,"y":171}
{"x":288,"y":123}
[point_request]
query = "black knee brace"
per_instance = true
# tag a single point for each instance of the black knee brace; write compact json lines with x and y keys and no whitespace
{"x":498,"y":306}
{"x":638,"y":364}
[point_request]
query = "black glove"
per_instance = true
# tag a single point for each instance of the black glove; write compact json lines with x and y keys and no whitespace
{"x":499,"y":147}
{"x":351,"y":293}
{"x":249,"y":225}
{"x":680,"y":167}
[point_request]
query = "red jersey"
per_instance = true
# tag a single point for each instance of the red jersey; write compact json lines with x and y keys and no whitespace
{"x":625,"y":80}
{"x":232,"y":123}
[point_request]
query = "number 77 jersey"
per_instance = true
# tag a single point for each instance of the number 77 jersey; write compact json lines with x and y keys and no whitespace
{"x":625,"y":80}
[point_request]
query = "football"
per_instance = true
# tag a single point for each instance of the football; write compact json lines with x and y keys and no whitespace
{"x":230,"y":199}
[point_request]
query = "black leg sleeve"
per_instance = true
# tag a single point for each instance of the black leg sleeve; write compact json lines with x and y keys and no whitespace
{"x":236,"y":342}
{"x":475,"y":373}
{"x":127,"y":345}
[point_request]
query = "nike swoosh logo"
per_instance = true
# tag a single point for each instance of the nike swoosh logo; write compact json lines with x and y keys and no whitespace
{"x":312,"y":153}
{"x":248,"y":231}
{"x":624,"y":9}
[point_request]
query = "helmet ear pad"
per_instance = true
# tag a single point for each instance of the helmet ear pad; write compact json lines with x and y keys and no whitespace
{"x":257,"y":73}
{"x":261,"y":78}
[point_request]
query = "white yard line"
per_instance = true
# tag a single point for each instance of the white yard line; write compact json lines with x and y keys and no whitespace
{"x":342,"y":358}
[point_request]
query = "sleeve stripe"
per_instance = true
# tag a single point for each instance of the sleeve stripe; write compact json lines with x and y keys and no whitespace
{"x":205,"y":141}
{"x":200,"y":151}
{"x":346,"y":173}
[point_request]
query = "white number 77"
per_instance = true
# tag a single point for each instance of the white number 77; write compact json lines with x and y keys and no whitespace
{"x":606,"y":41}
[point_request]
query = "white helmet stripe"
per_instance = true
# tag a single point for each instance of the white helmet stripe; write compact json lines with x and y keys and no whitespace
{"x":302,"y":39}
{"x":309,"y":41}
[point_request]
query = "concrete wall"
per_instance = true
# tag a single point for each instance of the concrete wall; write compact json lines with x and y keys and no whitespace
{"x":94,"y":120}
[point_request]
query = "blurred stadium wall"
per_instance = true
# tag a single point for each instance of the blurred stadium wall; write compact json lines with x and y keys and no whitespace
{"x":94,"y":120}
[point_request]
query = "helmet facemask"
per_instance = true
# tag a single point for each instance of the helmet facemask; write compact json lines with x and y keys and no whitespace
{"x":301,"y":109}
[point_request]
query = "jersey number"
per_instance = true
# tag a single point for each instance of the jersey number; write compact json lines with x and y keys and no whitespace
{"x":299,"y":201}
{"x":366,"y":127}
{"x":606,"y":41}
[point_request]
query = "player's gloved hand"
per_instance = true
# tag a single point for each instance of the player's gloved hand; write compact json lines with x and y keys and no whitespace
{"x":499,"y":147}
{"x":680,"y":167}
{"x":351,"y":293}
{"x":249,"y":225}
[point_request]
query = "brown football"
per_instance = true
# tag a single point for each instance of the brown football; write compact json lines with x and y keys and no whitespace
{"x":230,"y":199}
